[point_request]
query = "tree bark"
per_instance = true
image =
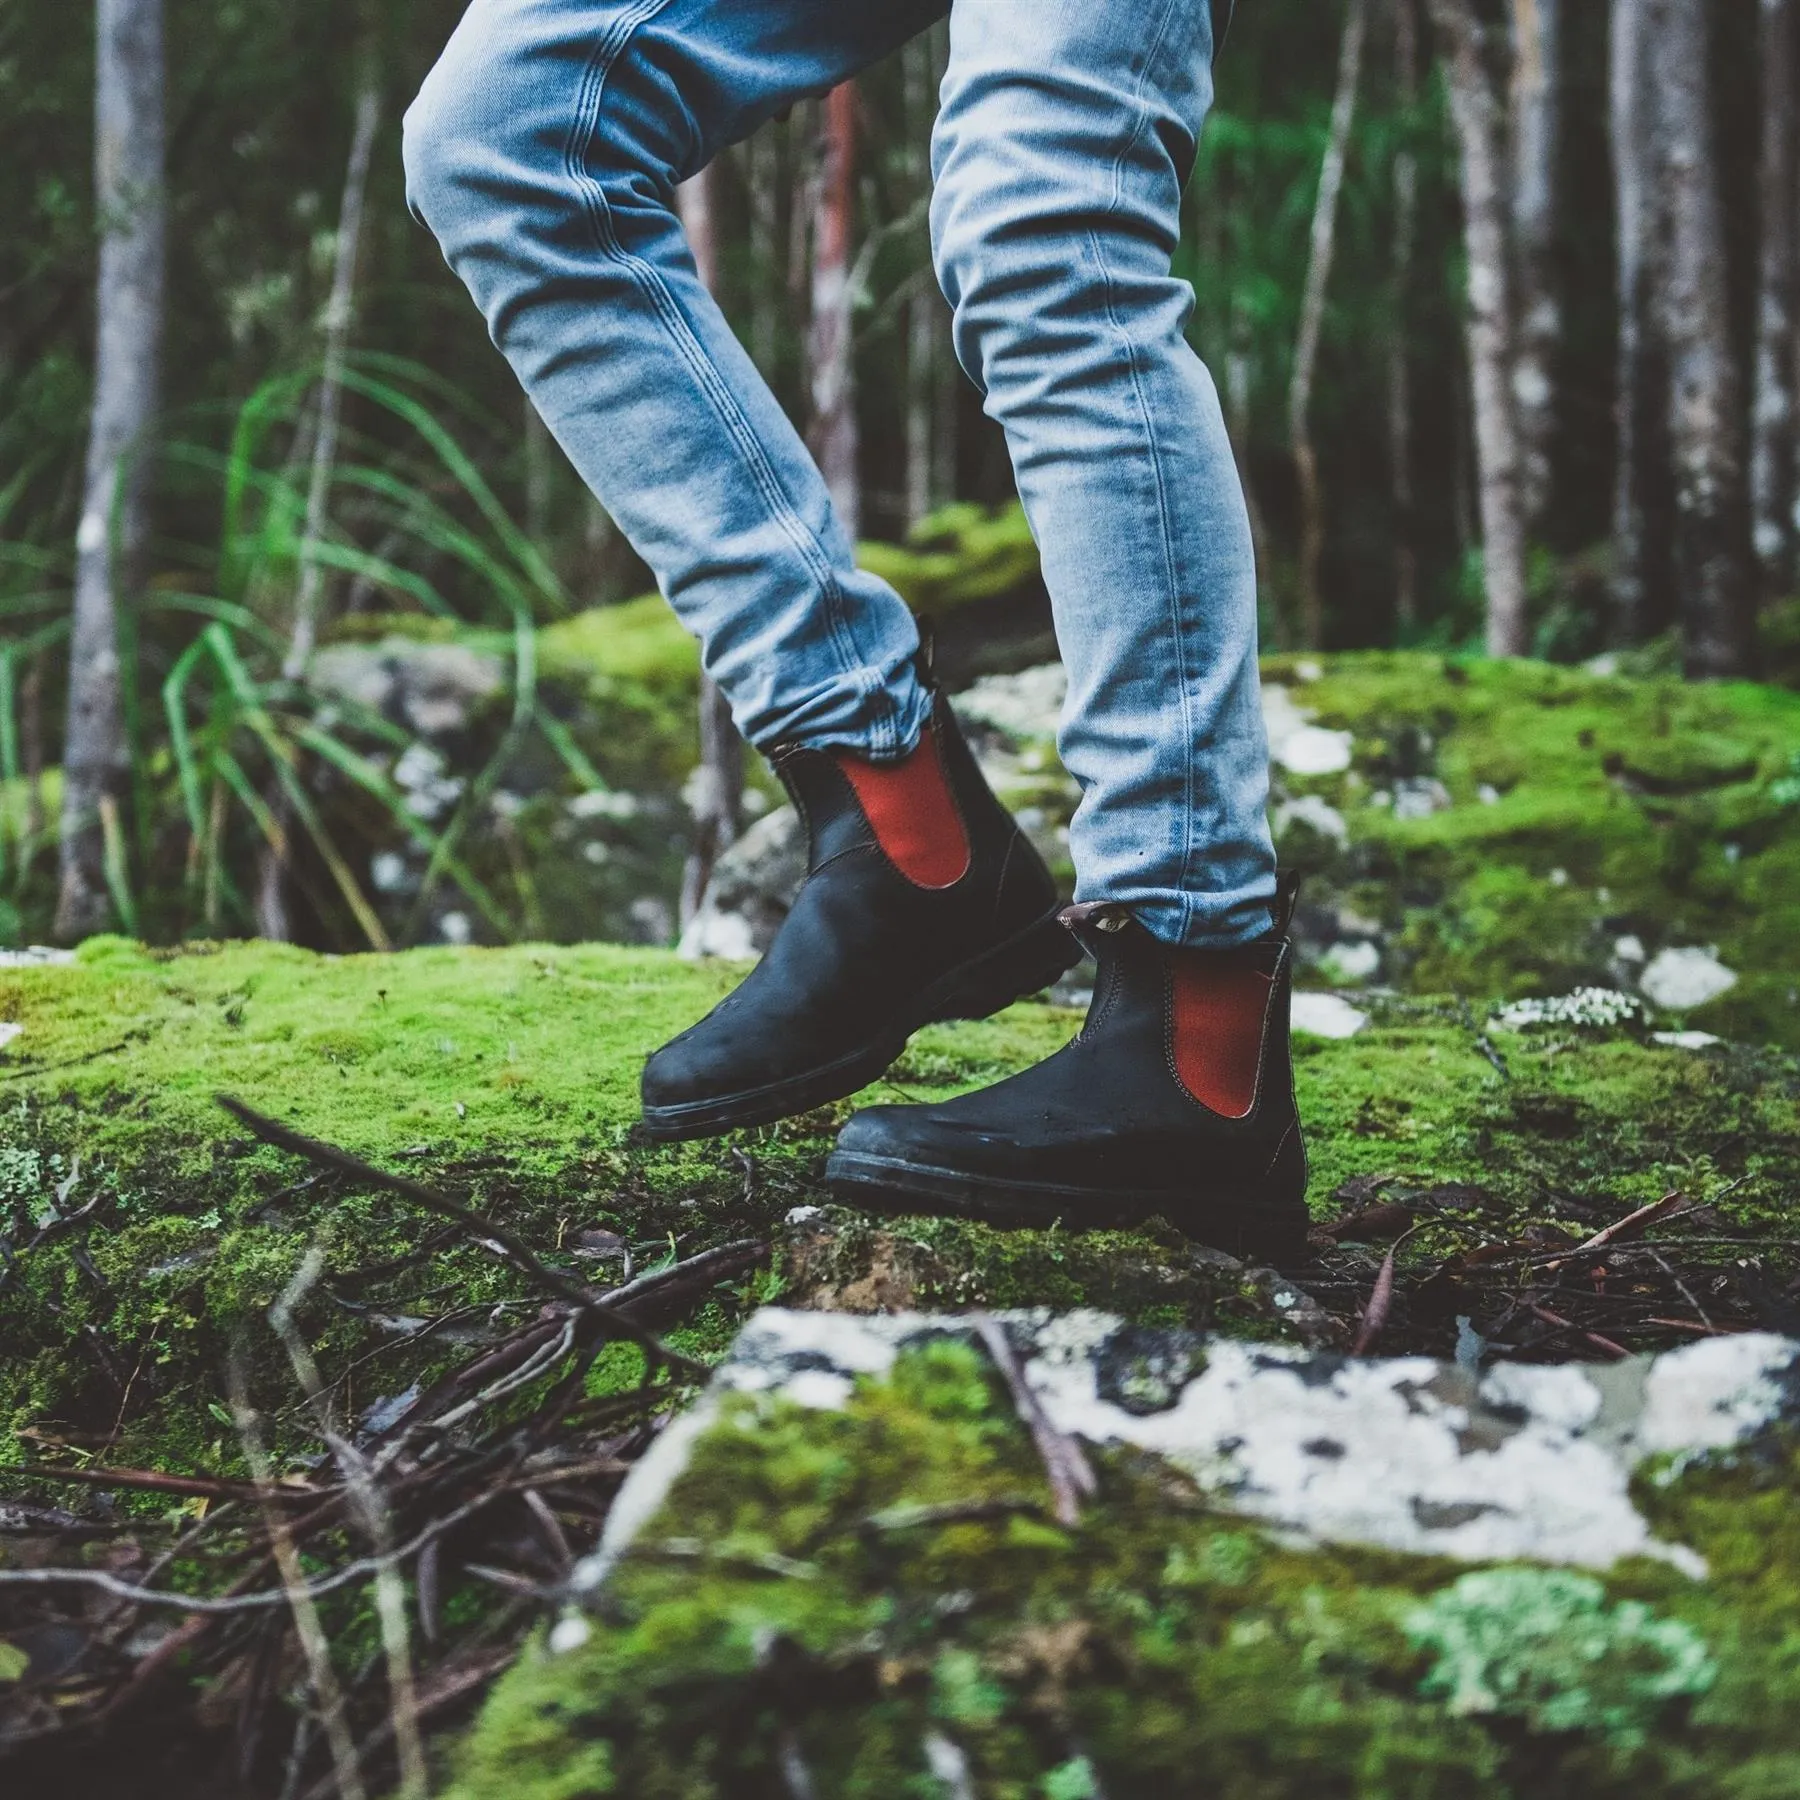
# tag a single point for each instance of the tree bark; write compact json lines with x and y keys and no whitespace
{"x":919,"y":72}
{"x":1312,"y":321}
{"x":717,"y":794}
{"x":1399,"y":345}
{"x":1643,"y":570}
{"x":1772,"y":459}
{"x":1536,"y":152}
{"x":112,"y":538}
{"x":1239,"y":379}
{"x":1705,"y":395}
{"x":834,"y":436}
{"x":1480,"y":129}
{"x":763,"y":185}
{"x":272,"y":920}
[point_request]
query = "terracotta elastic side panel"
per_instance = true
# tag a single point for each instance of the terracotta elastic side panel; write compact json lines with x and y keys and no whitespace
{"x":913,"y":814}
{"x":1220,"y":1005}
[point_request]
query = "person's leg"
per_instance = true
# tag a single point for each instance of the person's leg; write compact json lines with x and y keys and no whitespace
{"x":1066,"y":134}
{"x":544,"y":151}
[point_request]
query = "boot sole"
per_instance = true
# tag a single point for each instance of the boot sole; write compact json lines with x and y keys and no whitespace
{"x":1267,"y":1228}
{"x":987,"y":984}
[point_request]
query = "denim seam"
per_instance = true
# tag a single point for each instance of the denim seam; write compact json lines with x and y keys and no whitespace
{"x":1185,"y":900}
{"x":592,"y":195}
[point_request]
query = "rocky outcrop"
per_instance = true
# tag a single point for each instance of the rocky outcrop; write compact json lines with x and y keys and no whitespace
{"x":1056,"y":1554}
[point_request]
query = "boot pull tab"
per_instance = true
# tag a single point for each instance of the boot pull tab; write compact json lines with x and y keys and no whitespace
{"x":1096,"y":915}
{"x":1287,"y":899}
{"x":925,"y":663}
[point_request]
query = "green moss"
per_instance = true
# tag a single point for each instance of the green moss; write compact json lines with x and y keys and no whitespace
{"x":1583,"y":808}
{"x":841,"y":1588}
{"x":511,"y":1075}
{"x":959,"y":555}
{"x":1544,"y":1646}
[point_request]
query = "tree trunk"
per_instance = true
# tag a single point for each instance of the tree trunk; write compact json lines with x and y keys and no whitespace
{"x":918,"y":64}
{"x":1536,"y":152}
{"x":542,"y":461}
{"x":1239,"y":374}
{"x":1712,"y":499}
{"x":834,"y":434}
{"x":272,"y":919}
{"x":762,"y":183}
{"x":1643,"y":570}
{"x":31,"y":759}
{"x":1312,"y":320}
{"x":1772,"y":461}
{"x":717,"y":796}
{"x":112,"y":538}
{"x":1476,"y":109}
{"x":1399,"y":345}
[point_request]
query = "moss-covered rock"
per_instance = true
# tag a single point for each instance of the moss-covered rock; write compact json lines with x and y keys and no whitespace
{"x":510,"y":1075}
{"x":1508,"y":828}
{"x":851,"y":1577}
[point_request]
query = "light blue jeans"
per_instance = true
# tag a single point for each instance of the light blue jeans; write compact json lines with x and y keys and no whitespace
{"x":544,"y":151}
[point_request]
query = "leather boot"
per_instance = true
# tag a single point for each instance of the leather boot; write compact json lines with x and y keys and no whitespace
{"x":923,"y":900}
{"x":1175,"y":1100}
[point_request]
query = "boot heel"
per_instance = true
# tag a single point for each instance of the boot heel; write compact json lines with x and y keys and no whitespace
{"x":1274,"y":1223}
{"x":1034,"y":960}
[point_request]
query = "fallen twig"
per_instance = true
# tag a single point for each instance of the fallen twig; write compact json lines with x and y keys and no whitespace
{"x":523,"y":1257}
{"x":1629,"y":1226}
{"x":194,"y":1487}
{"x":1071,"y":1476}
{"x":1381,"y":1298}
{"x":1592,"y":1337}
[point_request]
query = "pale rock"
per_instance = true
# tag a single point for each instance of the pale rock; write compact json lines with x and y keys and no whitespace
{"x":9,"y":1032}
{"x":387,"y":872}
{"x":1420,"y":797}
{"x":36,"y":956}
{"x":1352,"y":963}
{"x":1326,"y":1016}
{"x":434,"y":689}
{"x":753,"y":886}
{"x":1317,"y":814}
{"x":1298,"y":745}
{"x":1024,"y":706}
{"x":1686,"y":1040}
{"x":604,"y":803}
{"x":1678,"y":980}
{"x":1527,"y":1462}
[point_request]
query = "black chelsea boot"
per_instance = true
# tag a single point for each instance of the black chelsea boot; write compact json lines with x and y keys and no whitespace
{"x":1175,"y":1100}
{"x":923,"y":900}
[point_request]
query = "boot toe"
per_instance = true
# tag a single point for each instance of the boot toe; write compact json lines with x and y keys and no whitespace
{"x":707,"y":1062}
{"x":925,"y":1136}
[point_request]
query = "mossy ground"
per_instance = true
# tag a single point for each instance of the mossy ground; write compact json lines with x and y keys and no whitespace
{"x":1582,"y":809}
{"x":802,"y":1602}
{"x":510,"y":1076}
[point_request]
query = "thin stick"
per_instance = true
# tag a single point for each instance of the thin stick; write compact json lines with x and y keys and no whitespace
{"x":307,"y":1627}
{"x":1071,"y":1477}
{"x":390,"y":1594}
{"x":1630,"y":1225}
{"x":150,"y":1481}
{"x":1381,"y":1298}
{"x":565,"y":1287}
{"x":1592,"y":1337}
{"x":360,"y":1570}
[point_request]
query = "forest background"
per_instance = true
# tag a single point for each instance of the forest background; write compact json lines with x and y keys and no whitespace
{"x":1499,"y":295}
